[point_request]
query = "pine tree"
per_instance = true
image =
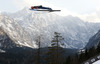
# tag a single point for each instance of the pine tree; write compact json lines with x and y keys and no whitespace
{"x":37,"y":57}
{"x":82,"y":57}
{"x":86,"y":54}
{"x":55,"y":54}
{"x":98,"y":48}
{"x":92,"y":52}
{"x":39,"y":51}
{"x":76,"y":59}
{"x":68,"y":60}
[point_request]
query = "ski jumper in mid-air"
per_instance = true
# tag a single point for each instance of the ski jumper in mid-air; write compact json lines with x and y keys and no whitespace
{"x":41,"y":8}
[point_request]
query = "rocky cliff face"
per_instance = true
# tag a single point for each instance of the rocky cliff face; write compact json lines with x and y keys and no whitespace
{"x":16,"y":32}
{"x":5,"y":41}
{"x":94,"y":41}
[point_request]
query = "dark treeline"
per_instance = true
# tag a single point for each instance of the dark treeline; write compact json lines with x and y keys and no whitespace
{"x":47,"y":57}
{"x":30,"y":56}
{"x":87,"y":54}
{"x":17,"y":55}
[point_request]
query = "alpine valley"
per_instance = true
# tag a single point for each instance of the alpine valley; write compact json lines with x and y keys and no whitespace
{"x":24,"y":27}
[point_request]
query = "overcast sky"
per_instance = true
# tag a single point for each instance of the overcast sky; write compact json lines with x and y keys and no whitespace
{"x":88,"y":10}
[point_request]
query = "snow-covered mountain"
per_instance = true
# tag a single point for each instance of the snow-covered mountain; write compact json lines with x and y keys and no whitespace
{"x":94,"y":41}
{"x":5,"y":41}
{"x":15,"y":31}
{"x":25,"y":27}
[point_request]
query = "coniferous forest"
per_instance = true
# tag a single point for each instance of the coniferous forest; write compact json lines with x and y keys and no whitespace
{"x":55,"y":54}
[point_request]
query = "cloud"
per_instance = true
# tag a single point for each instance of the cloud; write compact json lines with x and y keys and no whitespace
{"x":28,"y":3}
{"x":90,"y":17}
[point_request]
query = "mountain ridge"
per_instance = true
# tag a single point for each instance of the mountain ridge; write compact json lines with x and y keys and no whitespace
{"x":75,"y":31}
{"x":94,"y":40}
